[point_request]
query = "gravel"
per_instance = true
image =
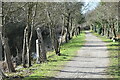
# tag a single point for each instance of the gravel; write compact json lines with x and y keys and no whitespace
{"x":91,"y":61}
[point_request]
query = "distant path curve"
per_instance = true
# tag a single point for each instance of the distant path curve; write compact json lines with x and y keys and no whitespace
{"x":91,"y":61}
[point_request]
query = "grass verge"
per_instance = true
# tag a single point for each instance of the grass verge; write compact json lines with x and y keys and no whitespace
{"x":113,"y":48}
{"x":55,"y":63}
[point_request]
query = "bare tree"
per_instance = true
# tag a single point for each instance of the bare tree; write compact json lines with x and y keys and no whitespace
{"x":5,"y":43}
{"x":105,"y":19}
{"x":28,"y":32}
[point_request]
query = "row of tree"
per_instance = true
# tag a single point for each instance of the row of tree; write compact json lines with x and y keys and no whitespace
{"x":23,"y":23}
{"x":104,"y":19}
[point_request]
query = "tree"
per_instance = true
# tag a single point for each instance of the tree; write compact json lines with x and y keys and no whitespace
{"x":71,"y":13}
{"x":42,"y":55}
{"x":54,"y":17}
{"x":105,"y":19}
{"x":28,"y":32}
{"x":2,"y":76}
{"x":29,"y":18}
{"x":5,"y":41}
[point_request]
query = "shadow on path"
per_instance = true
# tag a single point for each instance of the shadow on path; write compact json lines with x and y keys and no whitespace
{"x":52,"y":78}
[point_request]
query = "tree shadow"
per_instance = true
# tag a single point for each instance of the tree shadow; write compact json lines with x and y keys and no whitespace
{"x":99,"y":41}
{"x":87,"y":46}
{"x":59,"y":60}
{"x":53,"y":78}
{"x":102,"y":49}
{"x":111,"y":49}
{"x":88,"y":67}
{"x":88,"y":32}
{"x":84,"y":57}
{"x":94,"y":46}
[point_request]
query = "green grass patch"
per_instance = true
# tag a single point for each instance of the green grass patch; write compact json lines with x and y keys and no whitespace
{"x":55,"y":63}
{"x":113,"y":48}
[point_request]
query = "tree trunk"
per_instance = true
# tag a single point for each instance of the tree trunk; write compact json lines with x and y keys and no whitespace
{"x":29,"y":38}
{"x":114,"y":32}
{"x":29,"y":30}
{"x":2,"y":76}
{"x":79,"y":29}
{"x":119,"y":27}
{"x":24,"y":50}
{"x":103,"y":30}
{"x":8,"y":56}
{"x":67,"y":38}
{"x":73,"y":32}
{"x":42,"y":55}
{"x":108,"y":33}
{"x":6,"y":46}
{"x":57,"y":48}
{"x":56,"y":43}
{"x":1,"y":54}
{"x":38,"y":52}
{"x":28,"y":48}
{"x":51,"y":37}
{"x":71,"y":22}
{"x":95,"y":28}
{"x":76,"y":32}
{"x":67,"y":27}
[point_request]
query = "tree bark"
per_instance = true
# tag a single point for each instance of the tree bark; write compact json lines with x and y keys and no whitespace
{"x":95,"y":28}
{"x":24,"y":50}
{"x":42,"y":55}
{"x":2,"y":75}
{"x":57,"y":48}
{"x":108,"y":33}
{"x":29,"y":40}
{"x":103,"y":30}
{"x":38,"y":52}
{"x":8,"y":56}
{"x":51,"y":37}
{"x":67,"y":27}
{"x":28,"y":48}
{"x":114,"y":32}
{"x":79,"y":29}
{"x":6,"y":45}
{"x":56,"y":43}
{"x":29,"y":30}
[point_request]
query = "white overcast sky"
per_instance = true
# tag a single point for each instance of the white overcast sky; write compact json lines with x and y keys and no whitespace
{"x":89,"y":5}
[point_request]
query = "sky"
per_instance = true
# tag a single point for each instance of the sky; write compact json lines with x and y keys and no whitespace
{"x":89,"y":5}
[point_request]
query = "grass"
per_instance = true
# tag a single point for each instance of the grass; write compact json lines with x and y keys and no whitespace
{"x":113,"y":48}
{"x":55,"y":63}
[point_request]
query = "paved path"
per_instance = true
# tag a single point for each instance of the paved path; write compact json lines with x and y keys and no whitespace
{"x":90,"y":62}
